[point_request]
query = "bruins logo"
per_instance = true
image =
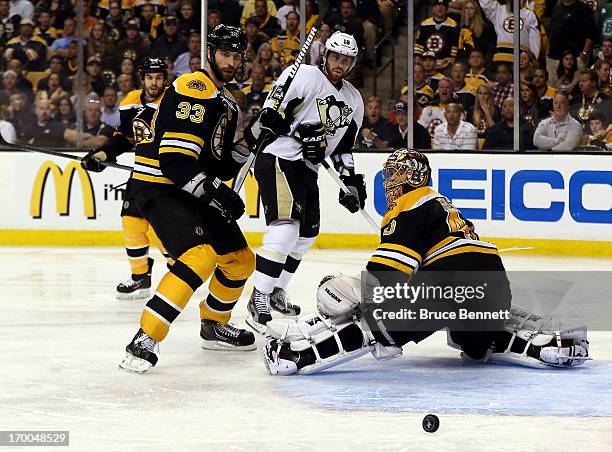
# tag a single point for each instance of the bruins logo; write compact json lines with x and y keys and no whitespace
{"x":196,"y":84}
{"x":142,"y":131}
{"x":435,"y":43}
{"x":334,"y":114}
{"x":218,"y":137}
{"x":509,"y":24}
{"x":432,"y":125}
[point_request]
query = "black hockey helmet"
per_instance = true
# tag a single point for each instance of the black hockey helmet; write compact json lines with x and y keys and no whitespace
{"x":150,"y":65}
{"x":227,"y":37}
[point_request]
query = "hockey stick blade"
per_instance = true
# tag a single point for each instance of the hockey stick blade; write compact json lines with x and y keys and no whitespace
{"x":25,"y":147}
{"x":279,"y":92}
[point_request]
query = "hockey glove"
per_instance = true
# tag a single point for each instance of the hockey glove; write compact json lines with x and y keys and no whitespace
{"x":91,"y":162}
{"x":356,"y":199}
{"x":265,"y":127}
{"x":224,"y":197}
{"x":314,"y":142}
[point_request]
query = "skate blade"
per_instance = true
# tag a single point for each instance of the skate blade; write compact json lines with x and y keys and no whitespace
{"x":224,"y":347}
{"x":264,"y":356}
{"x":136,"y":295}
{"x":282,"y":315}
{"x":134,"y":365}
{"x":255,"y":326}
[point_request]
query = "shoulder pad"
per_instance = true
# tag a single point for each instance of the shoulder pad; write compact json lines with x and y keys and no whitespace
{"x":409,"y":201}
{"x":196,"y":84}
{"x":132,"y":100}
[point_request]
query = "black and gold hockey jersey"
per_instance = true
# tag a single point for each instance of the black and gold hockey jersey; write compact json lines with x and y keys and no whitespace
{"x":193,"y":132}
{"x":441,"y":38}
{"x":423,"y":230}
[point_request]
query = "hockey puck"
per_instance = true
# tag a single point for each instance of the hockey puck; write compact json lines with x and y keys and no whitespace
{"x":431,"y":423}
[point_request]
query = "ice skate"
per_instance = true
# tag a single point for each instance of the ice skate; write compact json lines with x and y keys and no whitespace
{"x":141,"y":354}
{"x":216,"y":336}
{"x":259,"y":311}
{"x":137,"y":287}
{"x":280,"y":302}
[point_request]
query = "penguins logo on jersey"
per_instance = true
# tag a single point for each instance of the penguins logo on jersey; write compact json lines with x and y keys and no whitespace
{"x":142,"y":131}
{"x":334,"y":114}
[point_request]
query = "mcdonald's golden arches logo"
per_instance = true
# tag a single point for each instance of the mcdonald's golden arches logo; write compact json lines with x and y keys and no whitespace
{"x":63,"y":187}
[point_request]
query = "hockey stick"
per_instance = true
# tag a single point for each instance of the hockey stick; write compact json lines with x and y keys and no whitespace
{"x":278,"y":93}
{"x":24,"y":147}
{"x":345,"y":189}
{"x":516,"y":248}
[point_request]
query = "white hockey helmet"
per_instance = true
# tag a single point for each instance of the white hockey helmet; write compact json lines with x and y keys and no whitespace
{"x":344,"y":44}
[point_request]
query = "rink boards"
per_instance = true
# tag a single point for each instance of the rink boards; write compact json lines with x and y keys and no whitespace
{"x":557,"y":204}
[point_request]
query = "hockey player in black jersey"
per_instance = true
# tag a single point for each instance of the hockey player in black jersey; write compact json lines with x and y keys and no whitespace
{"x":136,"y":111}
{"x":421,"y":232}
{"x":178,"y":187}
{"x":319,"y":117}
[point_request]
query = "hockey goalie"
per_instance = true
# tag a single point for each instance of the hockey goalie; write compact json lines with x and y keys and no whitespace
{"x":421,"y":232}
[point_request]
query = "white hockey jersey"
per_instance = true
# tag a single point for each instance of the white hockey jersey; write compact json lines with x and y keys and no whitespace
{"x":503,"y":21}
{"x":312,"y":99}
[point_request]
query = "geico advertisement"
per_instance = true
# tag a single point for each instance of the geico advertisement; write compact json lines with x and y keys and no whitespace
{"x":538,"y":196}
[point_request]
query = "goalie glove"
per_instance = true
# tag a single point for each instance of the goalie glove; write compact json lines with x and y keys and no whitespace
{"x":268,"y":125}
{"x":92,"y":161}
{"x":356,"y":199}
{"x":314,"y":142}
{"x":211,"y":189}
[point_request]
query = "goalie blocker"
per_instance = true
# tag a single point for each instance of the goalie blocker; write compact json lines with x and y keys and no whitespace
{"x":336,"y":333}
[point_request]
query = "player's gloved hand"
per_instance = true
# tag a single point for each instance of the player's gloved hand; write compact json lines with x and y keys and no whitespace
{"x":356,"y":185}
{"x":314,"y":142}
{"x":224,"y":197}
{"x":91,"y":162}
{"x":267,"y":126}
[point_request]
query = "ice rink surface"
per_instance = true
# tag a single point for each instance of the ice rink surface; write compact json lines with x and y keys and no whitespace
{"x":62,"y":334}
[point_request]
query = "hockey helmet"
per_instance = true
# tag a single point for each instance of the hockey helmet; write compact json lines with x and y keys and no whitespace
{"x":227,"y":37}
{"x":404,"y":170}
{"x":151,"y":65}
{"x":343,"y":44}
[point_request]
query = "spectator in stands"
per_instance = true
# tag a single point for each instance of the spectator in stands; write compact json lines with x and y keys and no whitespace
{"x":249,"y":10}
{"x":432,"y":76}
{"x":188,"y":21}
{"x":605,"y":53}
{"x":23,"y":9}
{"x":602,"y":68}
{"x":64,"y":112}
{"x":476,"y":33}
{"x":566,"y":73}
{"x":149,"y":21}
{"x":281,"y":14}
{"x":53,"y":90}
{"x":56,"y":66}
{"x":94,"y":70}
{"x":85,"y":94}
{"x":500,"y":16}
{"x":45,"y":131}
{"x":369,"y":12}
{"x":181,"y":65}
{"x":423,"y":93}
{"x":19,"y":113}
{"x":229,"y":9}
{"x":477,"y":74}
{"x":27,"y":48}
{"x":572,"y":28}
{"x":9,"y":86}
{"x":115,"y":21}
{"x":93,"y":125}
{"x":438,"y":34}
{"x":587,"y":97}
{"x":22,"y":82}
{"x":399,"y":138}
{"x":464,"y":94}
{"x":317,"y":49}
{"x":560,"y":132}
{"x":134,"y":45}
{"x":531,"y":109}
{"x":170,"y":64}
{"x":258,"y":89}
{"x":503,"y":87}
{"x":128,"y":67}
{"x":213,"y":19}
{"x":43,"y":29}
{"x":60,"y":10}
{"x":268,"y":24}
{"x":9,"y":25}
{"x":110,"y":108}
{"x":254,"y":37}
{"x":433,"y":114}
{"x":501,"y":134}
{"x":195,"y":63}
{"x":100,"y":44}
{"x":170,"y":43}
{"x":527,"y":66}
{"x":545,"y":91}
{"x":454,"y":133}
{"x":61,"y":46}
{"x":266,"y":58}
{"x":125,"y":84}
{"x":375,"y":130}
{"x":7,"y":130}
{"x":288,"y":44}
{"x":347,"y":22}
{"x":601,"y":131}
{"x":484,"y":114}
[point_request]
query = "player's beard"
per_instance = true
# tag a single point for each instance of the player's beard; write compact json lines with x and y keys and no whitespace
{"x":228,"y":74}
{"x":153,"y":91}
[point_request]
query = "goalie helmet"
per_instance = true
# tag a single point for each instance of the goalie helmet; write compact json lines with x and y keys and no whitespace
{"x":343,"y":44}
{"x":404,"y":170}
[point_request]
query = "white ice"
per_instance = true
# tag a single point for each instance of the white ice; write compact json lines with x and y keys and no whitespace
{"x":62,"y":334}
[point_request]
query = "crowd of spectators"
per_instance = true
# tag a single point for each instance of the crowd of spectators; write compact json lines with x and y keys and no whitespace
{"x":463,"y":76}
{"x":39,"y":46}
